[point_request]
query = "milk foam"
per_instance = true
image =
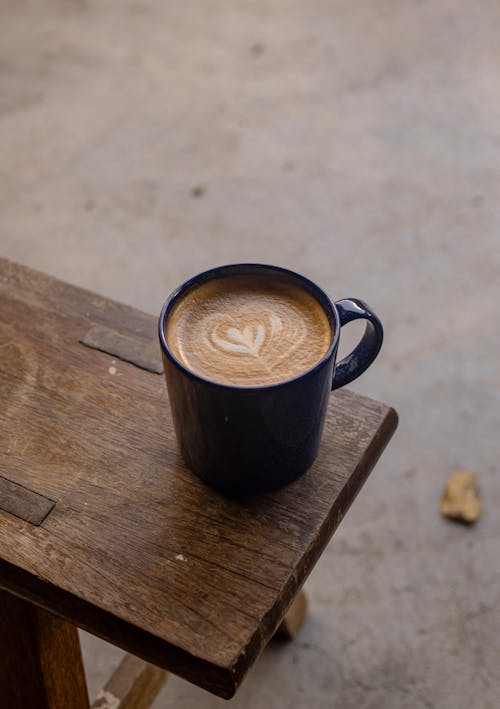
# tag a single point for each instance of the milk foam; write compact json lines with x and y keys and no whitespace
{"x":248,"y":330}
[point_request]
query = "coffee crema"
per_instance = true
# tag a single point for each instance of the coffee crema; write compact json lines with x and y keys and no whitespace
{"x":248,"y":330}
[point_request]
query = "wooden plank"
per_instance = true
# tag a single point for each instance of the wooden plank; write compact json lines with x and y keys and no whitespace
{"x":125,"y":347}
{"x":23,"y":503}
{"x":134,"y":685}
{"x":40,"y":659}
{"x":138,"y":550}
{"x":39,"y":290}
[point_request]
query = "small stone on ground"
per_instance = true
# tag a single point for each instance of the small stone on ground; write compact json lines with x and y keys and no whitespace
{"x":460,"y":500}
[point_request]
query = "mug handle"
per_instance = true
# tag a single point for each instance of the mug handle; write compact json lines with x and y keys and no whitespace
{"x":367,"y":349}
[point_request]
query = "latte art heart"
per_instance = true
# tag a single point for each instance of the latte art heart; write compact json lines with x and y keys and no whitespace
{"x":248,"y":339}
{"x":236,"y":341}
{"x":248,"y":331}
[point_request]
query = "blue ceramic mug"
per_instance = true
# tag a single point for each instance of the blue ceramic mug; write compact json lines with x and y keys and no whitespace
{"x":247,"y":439}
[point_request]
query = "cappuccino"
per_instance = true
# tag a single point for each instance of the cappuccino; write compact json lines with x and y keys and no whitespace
{"x":248,"y":330}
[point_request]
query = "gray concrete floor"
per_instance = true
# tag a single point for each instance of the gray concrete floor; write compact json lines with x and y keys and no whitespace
{"x":358,"y":143}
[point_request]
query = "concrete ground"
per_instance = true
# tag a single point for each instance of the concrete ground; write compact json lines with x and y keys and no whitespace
{"x":358,"y":143}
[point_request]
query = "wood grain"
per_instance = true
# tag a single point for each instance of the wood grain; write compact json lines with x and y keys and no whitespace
{"x":125,"y":347}
{"x":23,"y":503}
{"x":133,"y":685}
{"x":138,"y":550}
{"x":40,"y":659}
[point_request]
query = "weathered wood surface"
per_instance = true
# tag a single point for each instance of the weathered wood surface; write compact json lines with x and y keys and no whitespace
{"x":23,"y":503}
{"x":125,"y":347}
{"x":133,"y":685}
{"x":137,"y":550}
{"x":40,"y":659}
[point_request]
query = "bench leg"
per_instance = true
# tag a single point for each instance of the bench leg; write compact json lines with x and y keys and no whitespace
{"x":40,"y":659}
{"x":294,"y":617}
{"x":134,"y":685}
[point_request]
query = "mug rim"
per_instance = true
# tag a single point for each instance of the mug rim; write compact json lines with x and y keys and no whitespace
{"x":218,"y":271}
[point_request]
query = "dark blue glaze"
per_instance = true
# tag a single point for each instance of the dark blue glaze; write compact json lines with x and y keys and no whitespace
{"x":367,"y":349}
{"x":247,"y":439}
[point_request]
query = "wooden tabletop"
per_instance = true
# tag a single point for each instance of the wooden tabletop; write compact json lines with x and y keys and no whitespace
{"x":100,"y":521}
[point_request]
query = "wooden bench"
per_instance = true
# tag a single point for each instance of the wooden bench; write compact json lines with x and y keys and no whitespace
{"x":102,"y":526}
